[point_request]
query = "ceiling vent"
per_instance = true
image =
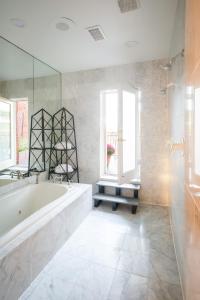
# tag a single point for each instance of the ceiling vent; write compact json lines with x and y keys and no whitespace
{"x":96,"y":32}
{"x":128,"y":5}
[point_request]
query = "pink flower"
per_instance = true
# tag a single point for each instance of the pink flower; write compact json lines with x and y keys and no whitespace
{"x":110,"y":149}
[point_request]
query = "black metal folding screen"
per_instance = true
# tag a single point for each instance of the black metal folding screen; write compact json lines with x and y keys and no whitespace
{"x":63,"y":131}
{"x":53,"y":146}
{"x":40,"y":141}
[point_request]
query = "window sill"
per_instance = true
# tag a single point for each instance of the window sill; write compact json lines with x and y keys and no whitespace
{"x":108,"y":178}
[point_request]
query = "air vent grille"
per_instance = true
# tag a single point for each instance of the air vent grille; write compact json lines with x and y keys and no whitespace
{"x":128,"y":5}
{"x":96,"y":32}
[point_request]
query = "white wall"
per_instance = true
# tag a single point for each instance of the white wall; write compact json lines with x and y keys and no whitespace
{"x":81,"y":96}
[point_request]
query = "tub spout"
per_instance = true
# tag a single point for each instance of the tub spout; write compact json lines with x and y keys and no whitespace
{"x":37,"y":174}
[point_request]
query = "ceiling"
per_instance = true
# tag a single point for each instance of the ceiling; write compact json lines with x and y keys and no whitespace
{"x":73,"y":50}
{"x":17,"y":64}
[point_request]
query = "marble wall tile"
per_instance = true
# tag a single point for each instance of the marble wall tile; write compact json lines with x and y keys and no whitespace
{"x":81,"y":95}
{"x":46,"y":92}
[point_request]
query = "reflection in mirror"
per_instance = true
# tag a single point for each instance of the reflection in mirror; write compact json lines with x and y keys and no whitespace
{"x":46,"y":88}
{"x":16,"y":104}
{"x":26,"y":85}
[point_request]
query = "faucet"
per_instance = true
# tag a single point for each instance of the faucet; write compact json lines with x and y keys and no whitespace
{"x":16,"y":173}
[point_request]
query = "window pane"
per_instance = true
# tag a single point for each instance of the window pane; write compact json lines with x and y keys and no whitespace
{"x":111,"y":115}
{"x":22,"y":132}
{"x":128,"y":131}
{"x":197,"y":132}
{"x":5,"y":131}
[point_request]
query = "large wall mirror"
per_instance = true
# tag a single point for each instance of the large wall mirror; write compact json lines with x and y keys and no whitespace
{"x":26,"y":85}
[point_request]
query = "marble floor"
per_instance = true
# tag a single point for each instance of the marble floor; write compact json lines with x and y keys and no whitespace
{"x":113,"y":255}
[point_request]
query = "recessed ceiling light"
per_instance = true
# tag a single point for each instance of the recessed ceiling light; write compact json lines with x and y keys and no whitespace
{"x":131,"y":44}
{"x":17,"y":22}
{"x":64,"y":24}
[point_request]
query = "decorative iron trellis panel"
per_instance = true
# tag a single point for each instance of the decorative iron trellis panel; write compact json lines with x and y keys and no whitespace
{"x":63,"y":130}
{"x":46,"y":131}
{"x":40,"y":141}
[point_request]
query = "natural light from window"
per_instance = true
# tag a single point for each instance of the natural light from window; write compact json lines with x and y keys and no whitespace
{"x":13,"y":132}
{"x":118,"y":133}
{"x":5,"y":131}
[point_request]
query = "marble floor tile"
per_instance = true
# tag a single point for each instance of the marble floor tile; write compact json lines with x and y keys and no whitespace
{"x":94,"y":252}
{"x":165,"y":267}
{"x":133,"y":287}
{"x":128,"y":286}
{"x":152,"y":214}
{"x":108,"y":221}
{"x":108,"y":237}
{"x":111,"y":256}
{"x":143,"y":229}
{"x":163,"y":243}
{"x":93,"y":283}
{"x":136,"y":244}
{"x":51,"y":288}
{"x":136,"y":263}
{"x":105,"y":255}
{"x":56,"y":280}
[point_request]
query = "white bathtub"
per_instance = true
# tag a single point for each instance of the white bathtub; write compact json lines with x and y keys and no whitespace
{"x":35,"y":221}
{"x":23,"y":203}
{"x":6,"y":181}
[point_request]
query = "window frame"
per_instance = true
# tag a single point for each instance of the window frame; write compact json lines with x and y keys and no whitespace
{"x":136,"y":173}
{"x":12,"y":161}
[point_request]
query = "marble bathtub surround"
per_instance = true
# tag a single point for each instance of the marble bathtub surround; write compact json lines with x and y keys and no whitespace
{"x":22,"y":259}
{"x":112,"y":256}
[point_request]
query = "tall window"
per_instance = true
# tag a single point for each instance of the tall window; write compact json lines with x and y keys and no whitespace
{"x":119,"y":134}
{"x":13,"y":132}
{"x":7,"y":134}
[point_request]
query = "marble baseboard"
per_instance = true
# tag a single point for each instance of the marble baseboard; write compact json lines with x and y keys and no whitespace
{"x":20,"y":267}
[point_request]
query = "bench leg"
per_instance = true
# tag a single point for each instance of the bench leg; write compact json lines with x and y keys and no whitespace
{"x":134,"y":209}
{"x":97,"y":203}
{"x":114,"y":206}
